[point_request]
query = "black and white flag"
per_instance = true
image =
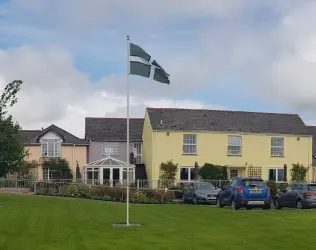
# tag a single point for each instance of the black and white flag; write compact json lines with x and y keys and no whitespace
{"x":142,"y":64}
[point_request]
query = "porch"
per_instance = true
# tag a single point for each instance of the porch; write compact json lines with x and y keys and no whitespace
{"x":108,"y":171}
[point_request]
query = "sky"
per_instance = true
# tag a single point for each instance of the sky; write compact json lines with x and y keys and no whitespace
{"x":220,"y":54}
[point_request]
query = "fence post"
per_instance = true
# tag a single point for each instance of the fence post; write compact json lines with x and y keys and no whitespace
{"x":35,"y":187}
{"x":137,"y":184}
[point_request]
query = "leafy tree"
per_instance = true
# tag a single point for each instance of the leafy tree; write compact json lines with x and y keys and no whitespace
{"x":168,"y":172}
{"x":23,"y":170}
{"x":60,"y":168}
{"x":12,"y":151}
{"x":298,"y":172}
{"x":213,"y":172}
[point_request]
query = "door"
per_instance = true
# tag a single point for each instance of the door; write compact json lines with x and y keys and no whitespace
{"x":296,"y":189}
{"x":116,"y":175}
{"x":106,"y":176}
{"x":190,"y":191}
{"x":289,"y":195}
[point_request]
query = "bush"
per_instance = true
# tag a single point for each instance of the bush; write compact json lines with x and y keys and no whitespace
{"x":213,"y":172}
{"x":76,"y":190}
{"x":139,"y":197}
{"x":276,"y":187}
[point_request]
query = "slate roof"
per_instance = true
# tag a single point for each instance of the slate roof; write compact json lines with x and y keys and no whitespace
{"x":225,"y":121}
{"x":33,"y":136}
{"x":113,"y":129}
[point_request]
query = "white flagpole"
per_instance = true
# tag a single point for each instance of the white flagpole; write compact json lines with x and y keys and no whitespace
{"x":127,"y":130}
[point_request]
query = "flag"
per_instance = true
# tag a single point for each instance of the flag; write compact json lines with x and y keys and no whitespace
{"x":142,"y":64}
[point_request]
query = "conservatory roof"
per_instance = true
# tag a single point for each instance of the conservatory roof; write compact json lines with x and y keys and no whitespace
{"x":108,"y":161}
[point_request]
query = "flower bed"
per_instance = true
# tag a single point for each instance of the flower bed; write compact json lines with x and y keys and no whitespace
{"x":118,"y":194}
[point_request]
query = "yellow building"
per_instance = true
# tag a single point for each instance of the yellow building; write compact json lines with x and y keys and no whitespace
{"x":250,"y":144}
{"x":54,"y":142}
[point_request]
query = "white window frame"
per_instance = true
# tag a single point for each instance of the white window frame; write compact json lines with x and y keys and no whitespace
{"x":273,"y":147}
{"x":189,"y":173}
{"x":56,"y":151}
{"x":191,"y":141}
{"x":231,"y":144}
{"x":138,"y":156}
{"x":48,"y":174}
{"x":276,"y":174}
{"x":110,"y":148}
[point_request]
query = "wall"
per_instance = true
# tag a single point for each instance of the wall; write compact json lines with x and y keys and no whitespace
{"x":95,"y":151}
{"x":148,"y":147}
{"x":73,"y":154}
{"x":212,"y":148}
{"x":70,"y":153}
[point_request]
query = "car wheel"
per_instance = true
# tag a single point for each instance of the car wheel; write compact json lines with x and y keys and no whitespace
{"x":299,"y":204}
{"x":233,"y":205}
{"x":277,"y":204}
{"x":194,"y":200}
{"x":218,"y":203}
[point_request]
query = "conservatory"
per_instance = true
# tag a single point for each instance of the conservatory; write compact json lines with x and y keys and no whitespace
{"x":108,"y":171}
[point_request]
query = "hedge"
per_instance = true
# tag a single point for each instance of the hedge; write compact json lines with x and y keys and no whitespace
{"x":118,"y":194}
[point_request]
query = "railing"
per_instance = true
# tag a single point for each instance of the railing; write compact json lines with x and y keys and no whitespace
{"x":138,"y":184}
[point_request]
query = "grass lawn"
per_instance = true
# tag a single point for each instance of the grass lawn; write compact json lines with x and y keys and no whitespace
{"x":32,"y":222}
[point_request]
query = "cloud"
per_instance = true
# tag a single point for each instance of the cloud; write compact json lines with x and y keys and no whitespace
{"x":54,"y":91}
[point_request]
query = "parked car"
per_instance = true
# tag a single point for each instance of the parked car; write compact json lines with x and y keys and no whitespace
{"x":299,"y":195}
{"x":200,"y":192}
{"x":245,"y":192}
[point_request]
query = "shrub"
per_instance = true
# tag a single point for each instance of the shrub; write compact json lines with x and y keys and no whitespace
{"x":273,"y":188}
{"x":213,"y":172}
{"x":139,"y":197}
{"x":276,"y":187}
{"x":298,"y":173}
{"x":76,"y":190}
{"x":163,"y":197}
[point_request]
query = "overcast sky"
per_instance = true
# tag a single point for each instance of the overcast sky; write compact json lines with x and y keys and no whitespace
{"x":222,"y":54}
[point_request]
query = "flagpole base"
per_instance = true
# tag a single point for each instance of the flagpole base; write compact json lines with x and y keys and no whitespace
{"x":127,"y":225}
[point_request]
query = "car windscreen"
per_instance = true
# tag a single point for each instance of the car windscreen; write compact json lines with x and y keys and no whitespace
{"x":205,"y":185}
{"x":312,"y":187}
{"x":251,"y":182}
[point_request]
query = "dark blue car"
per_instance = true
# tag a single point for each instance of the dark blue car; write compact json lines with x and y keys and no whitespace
{"x":245,"y":192}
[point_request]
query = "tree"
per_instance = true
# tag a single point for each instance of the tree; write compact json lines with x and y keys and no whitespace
{"x":12,"y":151}
{"x":213,"y":172}
{"x":23,"y":170}
{"x":78,"y":174}
{"x":168,"y":172}
{"x":59,"y":167}
{"x":298,"y":172}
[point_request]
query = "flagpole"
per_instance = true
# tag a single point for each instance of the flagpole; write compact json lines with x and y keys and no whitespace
{"x":127,"y":131}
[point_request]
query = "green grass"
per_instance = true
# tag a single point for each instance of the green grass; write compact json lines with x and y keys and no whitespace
{"x":31,"y":222}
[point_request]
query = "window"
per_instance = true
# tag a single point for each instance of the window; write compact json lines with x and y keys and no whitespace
{"x":233,"y":173}
{"x":251,"y":182}
{"x":189,"y":144}
{"x":277,"y":146}
{"x":110,"y":148}
{"x":276,"y":174}
{"x":187,"y":173}
{"x":234,"y":145}
{"x":137,"y":150}
{"x":48,"y":174}
{"x":51,"y":147}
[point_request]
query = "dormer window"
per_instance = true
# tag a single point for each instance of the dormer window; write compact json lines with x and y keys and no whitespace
{"x":51,"y":147}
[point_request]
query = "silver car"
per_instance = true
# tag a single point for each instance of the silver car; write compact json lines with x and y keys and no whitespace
{"x":200,"y":192}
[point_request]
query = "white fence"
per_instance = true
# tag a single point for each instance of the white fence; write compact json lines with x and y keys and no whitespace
{"x":138,"y":184}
